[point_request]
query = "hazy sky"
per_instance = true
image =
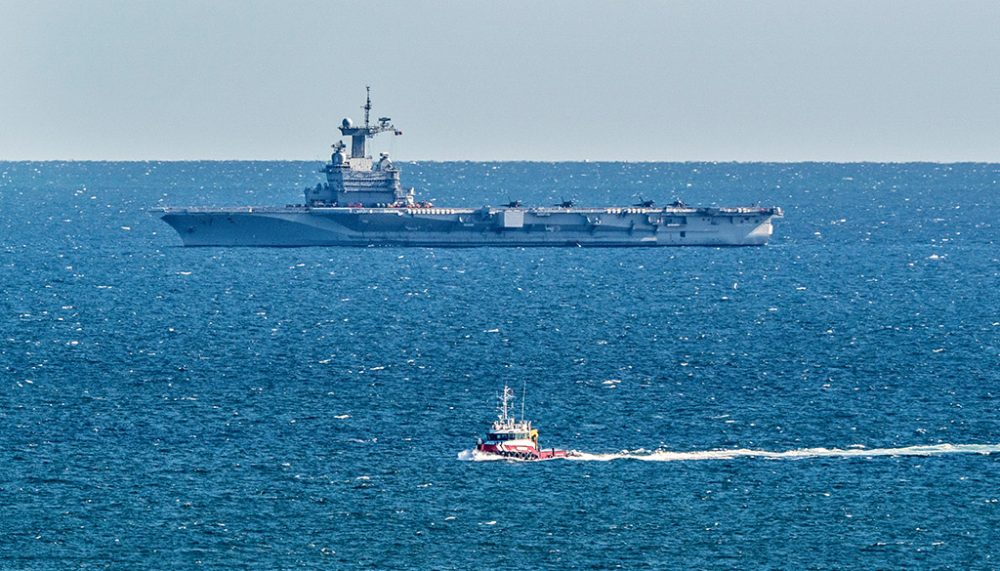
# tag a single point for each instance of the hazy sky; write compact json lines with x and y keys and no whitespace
{"x":661,"y":81}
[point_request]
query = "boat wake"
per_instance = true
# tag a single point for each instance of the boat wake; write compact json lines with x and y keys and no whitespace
{"x":477,"y":456}
{"x":795,"y":454}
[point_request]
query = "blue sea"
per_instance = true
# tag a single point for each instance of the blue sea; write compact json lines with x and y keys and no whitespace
{"x":829,"y":401}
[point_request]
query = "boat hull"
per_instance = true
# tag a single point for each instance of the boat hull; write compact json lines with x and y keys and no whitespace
{"x":298,"y":226}
{"x":530,"y":455}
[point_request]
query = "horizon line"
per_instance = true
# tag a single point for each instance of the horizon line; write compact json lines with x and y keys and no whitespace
{"x":536,"y":161}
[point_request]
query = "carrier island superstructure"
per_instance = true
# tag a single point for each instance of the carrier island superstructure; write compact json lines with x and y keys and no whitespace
{"x":362,"y":203}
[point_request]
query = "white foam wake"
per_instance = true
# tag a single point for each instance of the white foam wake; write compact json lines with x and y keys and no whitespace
{"x":477,"y":456}
{"x":796,"y":454}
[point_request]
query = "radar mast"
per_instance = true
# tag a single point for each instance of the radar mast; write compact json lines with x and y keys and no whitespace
{"x":359,"y":134}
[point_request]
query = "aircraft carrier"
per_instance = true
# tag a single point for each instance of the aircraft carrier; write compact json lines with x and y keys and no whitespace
{"x":362,"y":203}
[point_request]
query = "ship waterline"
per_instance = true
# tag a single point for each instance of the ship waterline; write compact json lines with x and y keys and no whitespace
{"x":295,"y":226}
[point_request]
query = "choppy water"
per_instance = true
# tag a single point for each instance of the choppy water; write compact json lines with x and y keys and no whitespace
{"x":829,"y":401}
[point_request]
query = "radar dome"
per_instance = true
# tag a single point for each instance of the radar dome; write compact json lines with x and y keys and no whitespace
{"x":347,"y":123}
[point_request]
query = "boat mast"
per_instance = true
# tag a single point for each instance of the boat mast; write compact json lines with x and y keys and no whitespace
{"x":359,"y":134}
{"x":505,"y":399}
{"x":368,"y":103}
{"x":524,"y":394}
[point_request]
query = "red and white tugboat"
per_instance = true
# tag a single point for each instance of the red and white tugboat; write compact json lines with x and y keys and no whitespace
{"x":515,"y":439}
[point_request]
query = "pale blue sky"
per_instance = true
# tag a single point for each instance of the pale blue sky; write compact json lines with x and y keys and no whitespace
{"x":574,"y":80}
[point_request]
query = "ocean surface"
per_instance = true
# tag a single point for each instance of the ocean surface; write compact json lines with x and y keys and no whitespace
{"x":830,"y":401}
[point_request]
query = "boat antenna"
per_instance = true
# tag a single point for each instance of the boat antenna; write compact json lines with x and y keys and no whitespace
{"x":524,"y":393}
{"x":368,"y":102}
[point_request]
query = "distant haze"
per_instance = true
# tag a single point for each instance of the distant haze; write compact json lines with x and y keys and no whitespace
{"x":551,"y":81}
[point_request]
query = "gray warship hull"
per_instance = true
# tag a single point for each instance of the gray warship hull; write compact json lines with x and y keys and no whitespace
{"x":362,"y":203}
{"x":299,"y":226}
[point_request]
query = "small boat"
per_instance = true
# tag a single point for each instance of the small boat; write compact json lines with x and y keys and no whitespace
{"x":515,"y":439}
